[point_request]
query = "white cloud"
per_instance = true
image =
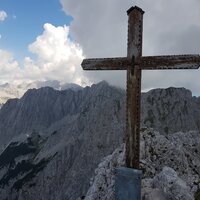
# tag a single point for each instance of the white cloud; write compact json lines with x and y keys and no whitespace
{"x":100,"y":27}
{"x":3,"y":15}
{"x":9,"y":68}
{"x":170,"y":27}
{"x":57,"y":57}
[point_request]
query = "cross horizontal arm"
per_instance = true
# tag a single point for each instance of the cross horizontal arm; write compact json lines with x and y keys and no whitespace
{"x":170,"y":62}
{"x":146,"y":63}
{"x":106,"y":63}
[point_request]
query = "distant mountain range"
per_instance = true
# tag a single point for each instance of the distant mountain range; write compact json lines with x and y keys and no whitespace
{"x":11,"y":91}
{"x":51,"y":140}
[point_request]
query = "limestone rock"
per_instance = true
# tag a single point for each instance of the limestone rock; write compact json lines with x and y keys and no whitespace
{"x":153,"y":194}
{"x":169,"y":182}
{"x":103,"y":183}
{"x":170,"y":170}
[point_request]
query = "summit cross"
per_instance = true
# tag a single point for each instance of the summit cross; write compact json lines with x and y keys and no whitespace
{"x":134,"y":63}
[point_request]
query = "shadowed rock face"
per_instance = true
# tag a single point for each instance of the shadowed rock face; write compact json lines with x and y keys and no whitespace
{"x":77,"y":129}
{"x":19,"y":164}
{"x":86,"y":129}
{"x":38,"y":109}
{"x":170,"y":110}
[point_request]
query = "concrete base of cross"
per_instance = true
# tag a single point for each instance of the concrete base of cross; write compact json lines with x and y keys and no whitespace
{"x":128,"y":184}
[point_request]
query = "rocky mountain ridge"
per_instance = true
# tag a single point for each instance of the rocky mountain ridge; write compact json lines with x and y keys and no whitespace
{"x":40,"y":108}
{"x":166,"y":110}
{"x":170,"y":110}
{"x":75,"y":143}
{"x":73,"y":131}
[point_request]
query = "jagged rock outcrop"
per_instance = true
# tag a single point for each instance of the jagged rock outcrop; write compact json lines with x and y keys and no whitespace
{"x":170,"y":168}
{"x":102,"y":185}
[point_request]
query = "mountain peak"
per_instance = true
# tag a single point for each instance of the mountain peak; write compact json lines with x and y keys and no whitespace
{"x":171,"y":91}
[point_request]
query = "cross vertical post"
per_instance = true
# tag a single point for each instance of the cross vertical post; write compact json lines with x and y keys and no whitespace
{"x":134,"y":53}
{"x":128,"y":179}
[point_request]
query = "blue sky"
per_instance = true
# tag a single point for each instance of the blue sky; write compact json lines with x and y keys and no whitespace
{"x":25,"y":20}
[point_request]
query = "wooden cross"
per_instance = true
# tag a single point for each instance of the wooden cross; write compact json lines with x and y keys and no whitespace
{"x":134,"y":63}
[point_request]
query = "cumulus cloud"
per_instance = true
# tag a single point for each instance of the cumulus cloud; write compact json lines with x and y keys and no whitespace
{"x":9,"y":68}
{"x":55,"y":57}
{"x":170,"y":27}
{"x":3,"y":15}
